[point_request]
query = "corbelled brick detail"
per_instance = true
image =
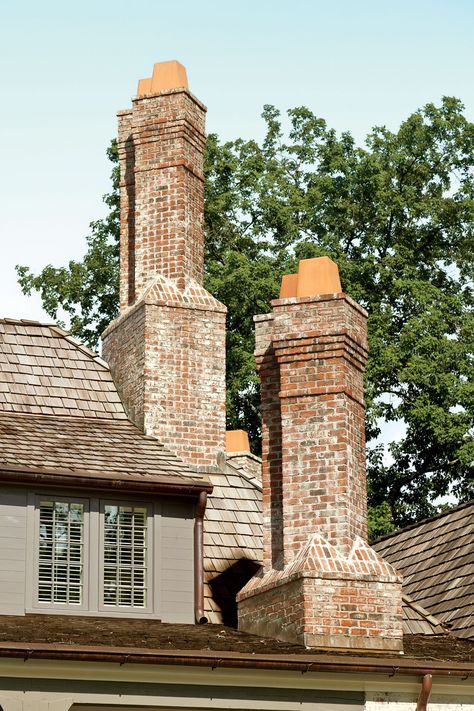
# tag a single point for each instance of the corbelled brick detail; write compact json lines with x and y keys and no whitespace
{"x":321,"y":583}
{"x":166,"y":350}
{"x":327,"y":599}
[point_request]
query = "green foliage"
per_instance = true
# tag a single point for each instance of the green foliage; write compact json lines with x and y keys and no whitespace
{"x":397,"y":217}
{"x":380,"y":522}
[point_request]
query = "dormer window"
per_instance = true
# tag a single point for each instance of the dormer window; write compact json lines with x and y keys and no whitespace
{"x":93,"y":552}
{"x":95,"y":555}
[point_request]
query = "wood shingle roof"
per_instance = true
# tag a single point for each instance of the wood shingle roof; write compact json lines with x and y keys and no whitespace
{"x":44,"y":371}
{"x":60,"y":411}
{"x":436,"y":558}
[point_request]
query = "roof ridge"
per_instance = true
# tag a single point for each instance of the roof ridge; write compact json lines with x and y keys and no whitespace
{"x":79,"y":345}
{"x":25,"y":322}
{"x":422,"y":521}
{"x":61,"y":332}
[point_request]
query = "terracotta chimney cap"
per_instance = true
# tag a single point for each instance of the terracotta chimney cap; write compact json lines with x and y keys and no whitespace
{"x":237,"y":441}
{"x":166,"y":76}
{"x":319,"y":275}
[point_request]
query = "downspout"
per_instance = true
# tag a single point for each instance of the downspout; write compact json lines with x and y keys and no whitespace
{"x":425,"y":692}
{"x":201,"y":619}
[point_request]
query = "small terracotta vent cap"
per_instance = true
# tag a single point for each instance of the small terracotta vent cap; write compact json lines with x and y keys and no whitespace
{"x":316,"y":276}
{"x":237,"y":441}
{"x":144,"y":87}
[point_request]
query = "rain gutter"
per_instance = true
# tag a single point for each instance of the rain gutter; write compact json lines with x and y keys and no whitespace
{"x":392,"y":667}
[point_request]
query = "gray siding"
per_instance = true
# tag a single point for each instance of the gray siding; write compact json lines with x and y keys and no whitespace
{"x":13,"y":536}
{"x":176,"y":551}
{"x":141,"y":696}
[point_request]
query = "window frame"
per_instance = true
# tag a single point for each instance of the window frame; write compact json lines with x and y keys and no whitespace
{"x":63,"y":606}
{"x":151,"y":543}
{"x":160,"y":575}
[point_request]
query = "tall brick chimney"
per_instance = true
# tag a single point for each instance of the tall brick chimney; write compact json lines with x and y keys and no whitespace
{"x":321,"y":584}
{"x":166,"y":349}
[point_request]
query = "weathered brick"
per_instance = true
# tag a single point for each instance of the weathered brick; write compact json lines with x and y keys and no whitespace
{"x":320,"y":579}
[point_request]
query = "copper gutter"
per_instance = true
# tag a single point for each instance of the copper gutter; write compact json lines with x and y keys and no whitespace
{"x":236,"y":660}
{"x":74,"y":478}
{"x":199,"y":559}
{"x":425,"y":692}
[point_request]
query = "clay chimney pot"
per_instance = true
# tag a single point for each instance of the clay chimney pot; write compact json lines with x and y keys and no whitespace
{"x":289,"y":286}
{"x":166,"y":76}
{"x":319,"y":275}
{"x":144,"y":87}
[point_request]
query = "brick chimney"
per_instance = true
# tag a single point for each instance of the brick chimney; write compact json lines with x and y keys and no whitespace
{"x":321,"y":584}
{"x":166,"y":349}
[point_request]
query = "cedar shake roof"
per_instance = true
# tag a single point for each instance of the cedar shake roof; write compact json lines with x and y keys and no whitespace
{"x":29,"y":632}
{"x":436,"y":558}
{"x":107,"y":447}
{"x":59,"y":410}
{"x":44,"y":371}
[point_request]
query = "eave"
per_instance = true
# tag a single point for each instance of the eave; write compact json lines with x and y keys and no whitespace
{"x":81,"y":479}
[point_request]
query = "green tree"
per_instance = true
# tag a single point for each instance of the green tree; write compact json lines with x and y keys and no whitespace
{"x":397,"y":216}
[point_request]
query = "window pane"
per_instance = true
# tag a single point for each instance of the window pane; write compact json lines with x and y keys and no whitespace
{"x":125,"y":546}
{"x":61,"y":551}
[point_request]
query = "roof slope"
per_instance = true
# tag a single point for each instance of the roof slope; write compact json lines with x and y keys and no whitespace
{"x":107,"y":447}
{"x":436,"y":558}
{"x":60,"y":410}
{"x":44,"y":371}
{"x":232,"y":531}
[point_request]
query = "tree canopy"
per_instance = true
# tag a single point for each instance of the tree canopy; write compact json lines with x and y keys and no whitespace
{"x":397,"y":215}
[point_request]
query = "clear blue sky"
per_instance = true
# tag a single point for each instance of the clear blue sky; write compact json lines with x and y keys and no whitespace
{"x":67,"y":67}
